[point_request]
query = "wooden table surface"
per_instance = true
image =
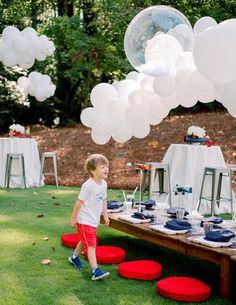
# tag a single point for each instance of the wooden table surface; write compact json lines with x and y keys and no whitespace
{"x":224,"y":257}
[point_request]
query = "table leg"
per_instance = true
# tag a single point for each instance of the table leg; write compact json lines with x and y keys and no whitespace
{"x":225,"y":277}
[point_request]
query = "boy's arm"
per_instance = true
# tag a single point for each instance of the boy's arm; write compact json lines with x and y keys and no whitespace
{"x":73,"y":220}
{"x":105,"y":213}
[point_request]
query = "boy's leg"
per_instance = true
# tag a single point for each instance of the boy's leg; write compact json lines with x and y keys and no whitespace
{"x":74,"y":258}
{"x":79,"y":248}
{"x":97,"y":273}
{"x":92,"y":257}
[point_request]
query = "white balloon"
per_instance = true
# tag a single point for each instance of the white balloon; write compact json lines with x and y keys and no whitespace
{"x":228,"y":94}
{"x":23,"y":82}
{"x":199,"y":82}
{"x":232,"y":112}
{"x":229,"y":23}
{"x":147,"y":84}
{"x":218,"y":63}
{"x":164,"y":86}
{"x":121,"y":132}
{"x":125,"y":88}
{"x":203,"y":24}
{"x":40,"y":56}
{"x":134,"y":113}
{"x":102,"y":124}
{"x":134,"y":96}
{"x":116,"y":109}
{"x":10,"y":33}
{"x":132,"y":75}
{"x":182,"y":78}
{"x":100,"y":139}
{"x":167,"y":49}
{"x":34,"y":76}
{"x":9,"y":59}
{"x":185,"y":62}
{"x":155,"y":68}
{"x":29,"y":33}
{"x":184,"y":34}
{"x":87,"y":116}
{"x":141,"y":130}
{"x":170,"y":102}
{"x":40,"y":98}
{"x":102,"y":93}
{"x":26,"y":65}
{"x":206,"y":96}
{"x":20,"y":45}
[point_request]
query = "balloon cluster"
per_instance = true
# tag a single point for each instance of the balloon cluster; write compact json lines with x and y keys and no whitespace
{"x":38,"y":85}
{"x":22,"y":48}
{"x":176,"y":65}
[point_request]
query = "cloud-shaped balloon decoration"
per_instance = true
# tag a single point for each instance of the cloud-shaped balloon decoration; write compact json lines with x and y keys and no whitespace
{"x":38,"y":85}
{"x":176,"y":65}
{"x":23,"y":47}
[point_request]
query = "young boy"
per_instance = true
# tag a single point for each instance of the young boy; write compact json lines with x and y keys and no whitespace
{"x":87,"y":211}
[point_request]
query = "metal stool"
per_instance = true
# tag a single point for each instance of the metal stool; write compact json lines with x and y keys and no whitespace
{"x":52,"y":155}
{"x":8,"y":172}
{"x":217,"y":175}
{"x":158,"y":171}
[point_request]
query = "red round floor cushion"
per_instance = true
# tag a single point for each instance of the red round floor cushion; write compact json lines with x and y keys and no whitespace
{"x":108,"y":254}
{"x":146,"y":270}
{"x":71,"y":240}
{"x":182,"y":288}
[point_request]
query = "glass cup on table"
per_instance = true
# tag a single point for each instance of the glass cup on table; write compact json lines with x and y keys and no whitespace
{"x":208,"y":227}
{"x":160,"y":211}
{"x":180,"y":214}
{"x":130,"y":198}
{"x":128,"y":207}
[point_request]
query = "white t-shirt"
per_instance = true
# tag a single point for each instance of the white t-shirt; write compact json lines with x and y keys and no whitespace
{"x":93,"y":195}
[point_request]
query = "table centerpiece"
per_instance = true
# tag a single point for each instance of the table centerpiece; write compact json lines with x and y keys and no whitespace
{"x":17,"y":130}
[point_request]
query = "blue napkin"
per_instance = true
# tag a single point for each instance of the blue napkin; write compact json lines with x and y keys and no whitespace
{"x":142,"y":216}
{"x":147,"y":203}
{"x":220,"y":235}
{"x":114,"y":204}
{"x":175,"y":224}
{"x":215,"y":220}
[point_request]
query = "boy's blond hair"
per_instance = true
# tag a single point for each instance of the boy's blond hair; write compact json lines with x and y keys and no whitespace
{"x":93,"y":161}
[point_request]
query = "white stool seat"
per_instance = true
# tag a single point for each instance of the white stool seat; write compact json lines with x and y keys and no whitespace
{"x":8,"y":173}
{"x":217,"y":174}
{"x":53,"y":156}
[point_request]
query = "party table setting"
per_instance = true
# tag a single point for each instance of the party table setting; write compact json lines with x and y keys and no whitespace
{"x":19,"y":142}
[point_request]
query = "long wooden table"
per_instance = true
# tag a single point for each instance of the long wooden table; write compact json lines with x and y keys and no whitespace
{"x":221,"y":256}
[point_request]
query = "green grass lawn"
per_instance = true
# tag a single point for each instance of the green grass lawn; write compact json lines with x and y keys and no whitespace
{"x":25,"y":281}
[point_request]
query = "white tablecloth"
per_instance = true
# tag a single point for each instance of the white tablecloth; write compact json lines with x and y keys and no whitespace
{"x":187,"y":164}
{"x":27,"y":147}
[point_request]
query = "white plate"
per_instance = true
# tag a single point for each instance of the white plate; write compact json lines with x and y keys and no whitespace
{"x":163,"y":229}
{"x":201,"y":240}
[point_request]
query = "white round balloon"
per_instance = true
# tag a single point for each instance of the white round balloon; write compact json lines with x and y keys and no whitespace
{"x":145,"y":25}
{"x":100,"y":139}
{"x":101,"y":94}
{"x":214,"y":54}
{"x":87,"y":116}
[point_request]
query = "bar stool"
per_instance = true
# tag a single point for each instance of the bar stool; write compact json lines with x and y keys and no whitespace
{"x":53,"y":156}
{"x":8,"y":172}
{"x":217,"y":174}
{"x":158,"y":172}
